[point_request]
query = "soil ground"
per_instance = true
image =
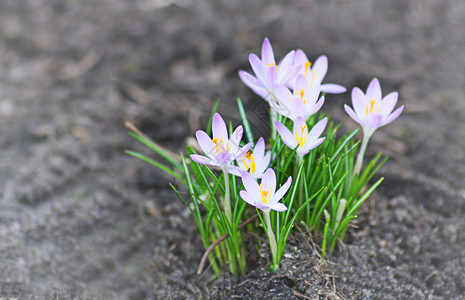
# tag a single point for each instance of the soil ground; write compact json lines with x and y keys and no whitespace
{"x":79,"y":219}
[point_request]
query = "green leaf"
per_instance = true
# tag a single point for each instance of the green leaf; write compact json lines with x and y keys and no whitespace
{"x":245,"y":122}
{"x":346,"y":140}
{"x":285,"y":233}
{"x":354,"y":208}
{"x":156,"y":149}
{"x":155,"y":163}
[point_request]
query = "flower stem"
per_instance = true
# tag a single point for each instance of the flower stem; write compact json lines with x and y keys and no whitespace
{"x":272,"y":240}
{"x":273,"y":118}
{"x":299,"y":159}
{"x":227,"y":202}
{"x":358,"y":165}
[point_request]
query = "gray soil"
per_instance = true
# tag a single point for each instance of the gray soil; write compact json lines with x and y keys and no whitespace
{"x":79,"y":219}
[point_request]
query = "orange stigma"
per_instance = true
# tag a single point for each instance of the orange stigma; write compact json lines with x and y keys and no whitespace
{"x":220,"y":147}
{"x":300,"y":139}
{"x":251,"y":160}
{"x":307,"y":67}
{"x":265,"y":195}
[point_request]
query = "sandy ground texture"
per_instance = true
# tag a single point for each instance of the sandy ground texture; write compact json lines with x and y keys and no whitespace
{"x":79,"y":219}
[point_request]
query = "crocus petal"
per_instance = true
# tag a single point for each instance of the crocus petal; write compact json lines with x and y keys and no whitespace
{"x":297,"y":108}
{"x":285,"y":66}
{"x":202,"y":160}
{"x":374,"y":90}
{"x":278,"y":207}
{"x":393,"y":116}
{"x":301,"y":83}
{"x":282,"y":190}
{"x":311,"y":145}
{"x":242,"y":151}
{"x":224,"y":158}
{"x":259,"y":149}
{"x":291,"y":75}
{"x":280,"y":109}
{"x":235,"y":170}
{"x":303,"y":150}
{"x":269,"y":181}
{"x":286,"y":135}
{"x":315,"y":107}
{"x":320,"y":67}
{"x":247,"y":197}
{"x":253,"y":83}
{"x":283,"y":95}
{"x":240,"y":163}
{"x":270,"y":76}
{"x":250,"y":184}
{"x":260,"y":205}
{"x":373,"y":120}
{"x":219,"y":129}
{"x":206,"y":143}
{"x":300,"y":58}
{"x":388,"y":103}
{"x":262,"y":166}
{"x":311,"y":94}
{"x":235,"y":139}
{"x":318,"y":129}
{"x":298,"y":124}
{"x":257,"y":67}
{"x":267,"y":52}
{"x":359,"y":101}
{"x":351,"y":113}
{"x":332,"y":88}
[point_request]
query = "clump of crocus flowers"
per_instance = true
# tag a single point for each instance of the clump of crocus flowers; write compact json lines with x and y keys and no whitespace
{"x":299,"y":174}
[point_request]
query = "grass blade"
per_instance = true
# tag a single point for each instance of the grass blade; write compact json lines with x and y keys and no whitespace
{"x":245,"y":122}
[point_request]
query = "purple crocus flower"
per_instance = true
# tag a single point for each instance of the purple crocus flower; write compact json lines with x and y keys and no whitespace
{"x":304,"y":102}
{"x":267,"y":73}
{"x":315,"y":74}
{"x":254,"y":163}
{"x":301,"y":137}
{"x":264,"y":196}
{"x":371,"y":110}
{"x":220,"y":150}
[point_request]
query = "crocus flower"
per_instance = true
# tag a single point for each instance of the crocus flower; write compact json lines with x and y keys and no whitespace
{"x":301,"y":137}
{"x":264,"y":196}
{"x":254,"y":163}
{"x":371,"y":110}
{"x":315,"y":74}
{"x":220,"y":150}
{"x":267,"y":73}
{"x":303,"y":102}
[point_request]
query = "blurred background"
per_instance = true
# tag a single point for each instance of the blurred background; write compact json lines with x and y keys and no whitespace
{"x":79,"y":218}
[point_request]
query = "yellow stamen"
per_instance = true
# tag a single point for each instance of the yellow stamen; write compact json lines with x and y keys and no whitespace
{"x":251,"y":160}
{"x":220,"y":147}
{"x":372,"y":104}
{"x":300,"y":139}
{"x":300,"y":93}
{"x":265,"y":195}
{"x":307,"y":66}
{"x":272,"y":64}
